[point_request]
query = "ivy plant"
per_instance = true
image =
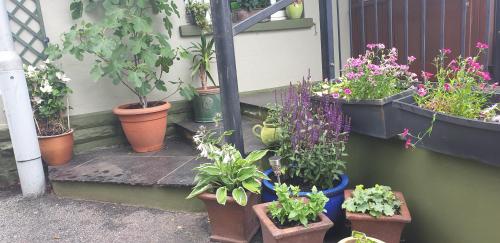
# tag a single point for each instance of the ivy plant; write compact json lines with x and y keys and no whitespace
{"x":376,"y":201}
{"x":229,"y":174}
{"x":290,"y":209}
{"x":126,"y":47}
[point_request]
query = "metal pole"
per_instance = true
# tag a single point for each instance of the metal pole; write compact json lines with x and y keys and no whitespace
{"x":226,"y":67}
{"x":14,"y":92}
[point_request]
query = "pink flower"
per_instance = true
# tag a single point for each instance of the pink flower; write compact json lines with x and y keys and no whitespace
{"x":446,"y":51}
{"x":421,"y":91}
{"x":347,"y":91}
{"x":411,"y":59}
{"x":427,"y":75}
{"x":447,"y":87}
{"x":481,"y":45}
{"x":405,"y":133}
{"x":408,"y":143}
{"x":336,"y":95}
{"x":485,"y":75}
{"x":371,"y":46}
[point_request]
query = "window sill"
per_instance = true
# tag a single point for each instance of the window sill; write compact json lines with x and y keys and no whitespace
{"x":288,"y":24}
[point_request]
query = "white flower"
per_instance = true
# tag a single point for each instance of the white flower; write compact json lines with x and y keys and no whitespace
{"x":37,"y":100}
{"x":61,"y":76}
{"x":47,"y":61}
{"x":46,"y":87}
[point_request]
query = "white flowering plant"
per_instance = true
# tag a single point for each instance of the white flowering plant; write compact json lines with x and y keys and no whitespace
{"x":48,"y":88}
{"x":229,"y":174}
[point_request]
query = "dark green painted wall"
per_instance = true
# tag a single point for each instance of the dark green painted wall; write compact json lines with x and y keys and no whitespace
{"x":451,"y":200}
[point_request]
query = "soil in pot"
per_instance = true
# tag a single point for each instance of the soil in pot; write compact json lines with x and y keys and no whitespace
{"x":207,"y":104}
{"x":231,"y":222}
{"x":144,"y":128}
{"x":57,"y":150}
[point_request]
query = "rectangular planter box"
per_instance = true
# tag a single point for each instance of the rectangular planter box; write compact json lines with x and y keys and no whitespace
{"x":376,"y":118}
{"x":314,"y":233}
{"x":452,"y":135}
{"x":387,"y":229}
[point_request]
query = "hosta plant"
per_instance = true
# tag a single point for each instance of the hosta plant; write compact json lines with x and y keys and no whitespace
{"x":314,"y":138}
{"x":291,"y":210}
{"x":48,"y":88}
{"x":126,"y":46}
{"x":459,"y":87}
{"x":229,"y":174}
{"x":374,"y":75}
{"x":376,"y":201}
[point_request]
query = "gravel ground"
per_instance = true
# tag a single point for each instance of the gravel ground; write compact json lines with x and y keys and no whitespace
{"x":52,"y":219}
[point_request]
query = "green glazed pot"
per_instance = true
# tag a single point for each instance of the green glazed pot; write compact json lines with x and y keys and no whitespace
{"x":206,"y":104}
{"x":268,"y":134}
{"x":295,"y":10}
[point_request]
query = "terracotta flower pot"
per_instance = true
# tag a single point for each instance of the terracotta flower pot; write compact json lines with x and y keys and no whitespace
{"x":57,"y":150}
{"x":145,"y":128}
{"x":387,"y":229}
{"x":231,"y":222}
{"x":314,"y":233}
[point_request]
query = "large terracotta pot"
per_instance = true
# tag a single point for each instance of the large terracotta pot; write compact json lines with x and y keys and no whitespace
{"x":57,"y":150}
{"x":387,"y":229}
{"x":231,"y":222}
{"x":314,"y":233}
{"x":145,"y":128}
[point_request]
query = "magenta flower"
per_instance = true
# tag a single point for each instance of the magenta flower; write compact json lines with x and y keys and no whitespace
{"x":485,"y":75}
{"x":481,"y":45}
{"x":405,"y":133}
{"x":447,"y":87}
{"x":347,"y":91}
{"x":427,"y":75}
{"x":408,"y":143}
{"x":446,"y":51}
{"x":411,"y":59}
{"x":421,"y":91}
{"x":336,"y":95}
{"x":371,"y":46}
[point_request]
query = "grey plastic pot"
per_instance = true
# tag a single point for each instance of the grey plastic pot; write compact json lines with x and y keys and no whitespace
{"x":376,"y":118}
{"x":452,"y":135}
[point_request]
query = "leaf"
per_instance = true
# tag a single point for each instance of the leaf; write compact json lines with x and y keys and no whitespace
{"x":141,"y":24}
{"x":221,"y":195}
{"x":197,"y":191}
{"x":96,"y":72}
{"x":76,"y":8}
{"x":240,"y":196}
{"x":135,"y":79}
{"x":256,"y":155}
{"x":252,"y":185}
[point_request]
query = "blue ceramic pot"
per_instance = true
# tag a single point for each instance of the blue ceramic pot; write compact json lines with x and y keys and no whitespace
{"x":333,"y":206}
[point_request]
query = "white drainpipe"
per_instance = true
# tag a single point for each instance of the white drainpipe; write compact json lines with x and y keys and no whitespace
{"x":14,"y":92}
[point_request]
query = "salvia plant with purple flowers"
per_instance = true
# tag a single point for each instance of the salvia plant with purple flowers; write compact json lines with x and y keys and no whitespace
{"x":374,"y":75}
{"x":314,"y":137}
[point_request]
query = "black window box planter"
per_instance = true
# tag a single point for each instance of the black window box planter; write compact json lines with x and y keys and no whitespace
{"x":452,"y":135}
{"x":376,"y":118}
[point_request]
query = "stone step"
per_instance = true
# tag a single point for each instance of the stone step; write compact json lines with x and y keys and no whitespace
{"x":158,"y":179}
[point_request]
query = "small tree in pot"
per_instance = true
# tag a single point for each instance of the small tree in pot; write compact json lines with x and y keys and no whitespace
{"x":130,"y":52}
{"x":48,"y":89}
{"x":292,"y":218}
{"x":377,"y":211}
{"x":229,"y":187}
{"x":206,"y":99}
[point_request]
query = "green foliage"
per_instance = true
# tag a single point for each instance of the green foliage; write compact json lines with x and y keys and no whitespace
{"x":361,"y":237}
{"x":201,"y":54}
{"x":199,"y":10}
{"x":48,"y":89}
{"x":127,"y":48}
{"x":249,"y":5}
{"x":290,"y":209}
{"x":273,"y":114}
{"x":229,"y":174}
{"x":376,"y":201}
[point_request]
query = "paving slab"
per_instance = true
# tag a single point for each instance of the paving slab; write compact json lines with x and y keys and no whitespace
{"x":261,"y":99}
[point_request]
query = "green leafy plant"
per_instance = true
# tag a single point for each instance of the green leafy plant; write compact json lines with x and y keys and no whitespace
{"x":376,"y":201}
{"x":48,"y":89}
{"x":248,"y":5}
{"x":374,"y":75}
{"x":361,"y":237}
{"x":127,"y":48}
{"x":201,"y":54}
{"x":290,"y":209}
{"x":230,"y":174}
{"x":199,"y":11}
{"x":273,"y":114}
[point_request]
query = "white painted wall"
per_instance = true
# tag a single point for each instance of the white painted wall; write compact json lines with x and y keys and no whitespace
{"x":264,"y":59}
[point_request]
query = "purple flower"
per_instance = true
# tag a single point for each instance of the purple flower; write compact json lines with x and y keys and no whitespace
{"x":336,"y":95}
{"x":347,"y":91}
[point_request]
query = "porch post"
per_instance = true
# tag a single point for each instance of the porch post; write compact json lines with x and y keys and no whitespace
{"x":226,"y":67}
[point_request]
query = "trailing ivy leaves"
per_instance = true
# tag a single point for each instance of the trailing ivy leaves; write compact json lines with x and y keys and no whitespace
{"x":126,"y":48}
{"x":229,"y":171}
{"x":376,"y":201}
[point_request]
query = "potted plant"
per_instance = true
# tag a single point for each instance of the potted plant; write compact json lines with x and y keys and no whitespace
{"x":359,"y":237}
{"x":377,"y":211}
{"x":197,"y":12}
{"x":229,"y":187}
{"x":270,"y":129}
{"x":130,"y":52}
{"x":313,"y":142}
{"x":48,"y":89}
{"x":367,"y":88}
{"x":247,"y":9}
{"x":293,"y":218}
{"x":206,"y":99}
{"x":460,"y":105}
{"x":295,"y":10}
